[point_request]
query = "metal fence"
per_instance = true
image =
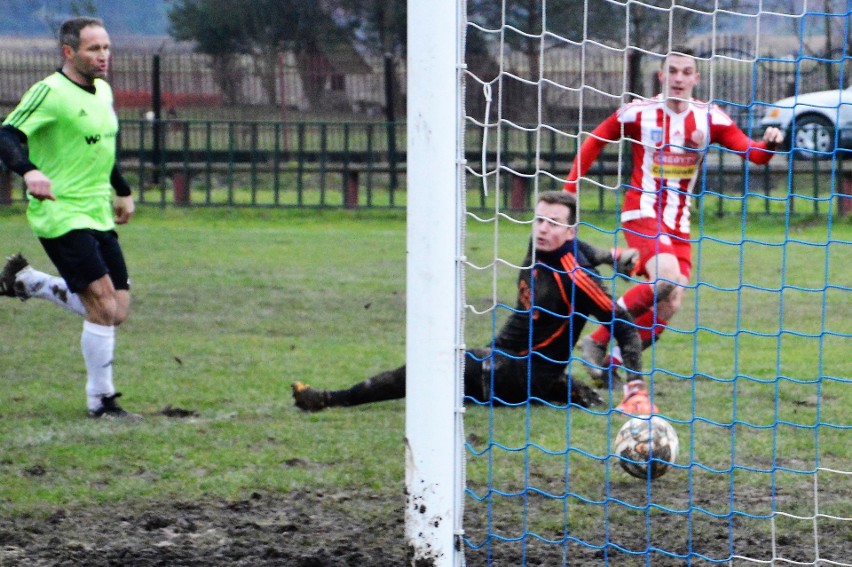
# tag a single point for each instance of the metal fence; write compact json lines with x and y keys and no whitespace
{"x":358,"y":165}
{"x":264,"y":163}
{"x":319,"y":133}
{"x":346,"y":85}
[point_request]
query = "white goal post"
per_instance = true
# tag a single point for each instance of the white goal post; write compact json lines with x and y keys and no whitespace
{"x":752,"y":372}
{"x":435,"y":208}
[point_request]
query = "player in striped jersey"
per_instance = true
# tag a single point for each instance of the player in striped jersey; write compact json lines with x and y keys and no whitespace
{"x":528,"y":358}
{"x":669,"y":136}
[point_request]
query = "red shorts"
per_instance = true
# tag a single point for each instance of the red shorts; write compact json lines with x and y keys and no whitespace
{"x":650,"y":238}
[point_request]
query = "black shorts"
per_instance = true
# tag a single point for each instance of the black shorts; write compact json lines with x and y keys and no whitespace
{"x":494,"y":375}
{"x":83,"y":256}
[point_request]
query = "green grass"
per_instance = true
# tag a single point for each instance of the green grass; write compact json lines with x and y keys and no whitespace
{"x":230,"y":306}
{"x":753,"y":373}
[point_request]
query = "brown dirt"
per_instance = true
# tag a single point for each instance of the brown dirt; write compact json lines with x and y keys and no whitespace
{"x":339,"y":529}
{"x":299,"y":529}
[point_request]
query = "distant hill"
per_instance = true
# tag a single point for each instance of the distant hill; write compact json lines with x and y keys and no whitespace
{"x":30,"y":18}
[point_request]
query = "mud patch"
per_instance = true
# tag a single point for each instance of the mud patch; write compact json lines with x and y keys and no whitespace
{"x":361,"y":528}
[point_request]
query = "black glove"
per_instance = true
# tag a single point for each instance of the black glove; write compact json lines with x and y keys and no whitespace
{"x":583,"y":395}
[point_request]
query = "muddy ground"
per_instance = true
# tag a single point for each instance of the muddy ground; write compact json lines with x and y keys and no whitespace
{"x":329,"y":529}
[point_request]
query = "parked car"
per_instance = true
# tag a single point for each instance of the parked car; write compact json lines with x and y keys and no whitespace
{"x":813,"y":123}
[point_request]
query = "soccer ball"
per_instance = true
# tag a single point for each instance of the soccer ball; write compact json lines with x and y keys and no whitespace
{"x":641,"y":440}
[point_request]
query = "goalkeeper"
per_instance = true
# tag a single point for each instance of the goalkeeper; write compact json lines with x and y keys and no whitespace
{"x":555,"y":299}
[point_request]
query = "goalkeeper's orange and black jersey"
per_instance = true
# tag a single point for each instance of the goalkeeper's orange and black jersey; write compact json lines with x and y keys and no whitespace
{"x":556,"y":297}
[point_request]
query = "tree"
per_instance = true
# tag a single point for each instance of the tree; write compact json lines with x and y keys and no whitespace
{"x":377,"y":27}
{"x":529,"y":26}
{"x":211,"y":24}
{"x":54,"y":12}
{"x":533,"y":23}
{"x":265,"y":29}
{"x":828,"y":29}
{"x":301,"y":27}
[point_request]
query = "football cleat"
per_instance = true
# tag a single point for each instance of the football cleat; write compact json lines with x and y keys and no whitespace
{"x":636,"y":400}
{"x":595,"y":356}
{"x":14,"y":264}
{"x":307,"y":398}
{"x":111,"y":410}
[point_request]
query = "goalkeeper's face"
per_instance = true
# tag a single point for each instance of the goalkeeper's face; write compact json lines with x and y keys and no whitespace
{"x":550,"y":228}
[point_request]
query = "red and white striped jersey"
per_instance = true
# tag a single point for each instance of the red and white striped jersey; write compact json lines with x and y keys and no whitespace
{"x":668,"y":149}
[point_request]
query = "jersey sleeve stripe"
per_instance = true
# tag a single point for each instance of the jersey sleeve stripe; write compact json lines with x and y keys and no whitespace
{"x":28,"y":106}
{"x":587,"y":284}
{"x":564,"y":295}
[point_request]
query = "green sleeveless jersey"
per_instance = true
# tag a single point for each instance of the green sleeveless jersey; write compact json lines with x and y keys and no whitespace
{"x":71,"y":135}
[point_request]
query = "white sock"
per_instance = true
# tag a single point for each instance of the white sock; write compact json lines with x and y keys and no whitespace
{"x":616,"y":355}
{"x":98,"y":344}
{"x":52,"y":288}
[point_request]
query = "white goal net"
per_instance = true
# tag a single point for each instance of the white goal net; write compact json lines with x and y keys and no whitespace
{"x":749,"y":369}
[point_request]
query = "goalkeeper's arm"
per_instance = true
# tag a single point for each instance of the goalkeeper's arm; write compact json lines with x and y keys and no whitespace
{"x":627,"y":338}
{"x":622,"y":260}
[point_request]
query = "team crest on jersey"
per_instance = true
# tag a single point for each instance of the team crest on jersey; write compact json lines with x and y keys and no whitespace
{"x":656,"y":135}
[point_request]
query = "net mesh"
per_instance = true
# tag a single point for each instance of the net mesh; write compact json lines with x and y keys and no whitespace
{"x":751,"y":371}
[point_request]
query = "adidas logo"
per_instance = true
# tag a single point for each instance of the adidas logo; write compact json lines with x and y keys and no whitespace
{"x":82,"y":113}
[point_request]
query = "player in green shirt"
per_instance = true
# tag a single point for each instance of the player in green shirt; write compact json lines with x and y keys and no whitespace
{"x":61,"y":139}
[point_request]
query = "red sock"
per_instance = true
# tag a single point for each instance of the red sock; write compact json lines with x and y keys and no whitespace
{"x":650,"y":327}
{"x":601,"y":335}
{"x":638,"y":299}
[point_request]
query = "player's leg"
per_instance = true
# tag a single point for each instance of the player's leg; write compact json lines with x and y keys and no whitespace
{"x":510,"y":380}
{"x":19,"y":279}
{"x":107,"y":301}
{"x":93,"y":266}
{"x":663,"y":260}
{"x":671,"y":271}
{"x":637,"y":399}
{"x":562,"y":388}
{"x":388,"y":385}
{"x":652,"y":305}
{"x":651,"y":318}
{"x":658,"y":263}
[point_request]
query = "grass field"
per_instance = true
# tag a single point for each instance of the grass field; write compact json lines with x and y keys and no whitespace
{"x":230,"y":306}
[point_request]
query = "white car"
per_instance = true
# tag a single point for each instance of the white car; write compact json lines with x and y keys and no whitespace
{"x":814,"y":124}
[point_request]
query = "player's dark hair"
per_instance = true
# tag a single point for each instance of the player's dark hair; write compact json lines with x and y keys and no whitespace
{"x":561,"y":198}
{"x":69,"y":31}
{"x":679,"y":50}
